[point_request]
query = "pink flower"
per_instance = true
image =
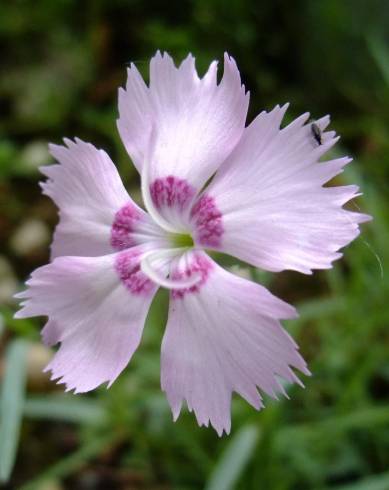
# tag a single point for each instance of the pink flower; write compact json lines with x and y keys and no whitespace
{"x":265,"y":204}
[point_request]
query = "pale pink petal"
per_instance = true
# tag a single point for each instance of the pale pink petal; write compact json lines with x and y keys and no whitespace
{"x":135,"y":116}
{"x":51,"y":333}
{"x":87,"y":189}
{"x":273,"y":209}
{"x":224,"y":336}
{"x":97,"y":308}
{"x":197,"y":121}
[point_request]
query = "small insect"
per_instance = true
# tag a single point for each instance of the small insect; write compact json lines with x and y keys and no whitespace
{"x":316,"y":133}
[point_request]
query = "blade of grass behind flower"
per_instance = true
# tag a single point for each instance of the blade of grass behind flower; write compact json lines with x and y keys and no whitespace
{"x":11,"y":405}
{"x":377,"y":482}
{"x":234,"y":459}
{"x":380,"y":53}
{"x":64,"y":408}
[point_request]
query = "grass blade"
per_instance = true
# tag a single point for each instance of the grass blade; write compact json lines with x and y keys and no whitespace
{"x":11,"y":405}
{"x":64,"y":408}
{"x":376,"y":482}
{"x":380,"y":53}
{"x":234,"y":459}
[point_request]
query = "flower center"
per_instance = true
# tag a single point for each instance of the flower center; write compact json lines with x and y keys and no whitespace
{"x":181,"y":240}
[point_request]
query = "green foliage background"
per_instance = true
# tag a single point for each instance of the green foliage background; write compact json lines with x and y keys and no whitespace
{"x":61,"y":64}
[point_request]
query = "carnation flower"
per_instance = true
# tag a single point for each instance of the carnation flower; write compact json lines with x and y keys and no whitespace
{"x":208,"y":184}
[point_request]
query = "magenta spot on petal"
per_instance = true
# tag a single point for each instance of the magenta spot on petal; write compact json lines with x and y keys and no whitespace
{"x":171,"y":192}
{"x":128,"y":267}
{"x":208,"y":222}
{"x":199,"y":265}
{"x":123,"y":226}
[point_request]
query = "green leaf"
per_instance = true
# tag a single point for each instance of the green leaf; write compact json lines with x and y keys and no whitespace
{"x":377,"y":482}
{"x":234,"y":459}
{"x":65,"y":408}
{"x":11,"y":405}
{"x":380,"y":53}
{"x":322,"y":307}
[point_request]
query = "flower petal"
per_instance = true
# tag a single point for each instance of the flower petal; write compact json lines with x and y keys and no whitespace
{"x":276,"y":214}
{"x":97,"y":308}
{"x":96,"y":213}
{"x":155,"y":263}
{"x":135,"y":116}
{"x":197,"y":121}
{"x":224,"y":336}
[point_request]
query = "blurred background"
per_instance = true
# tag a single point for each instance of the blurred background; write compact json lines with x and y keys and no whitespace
{"x":61,"y":64}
